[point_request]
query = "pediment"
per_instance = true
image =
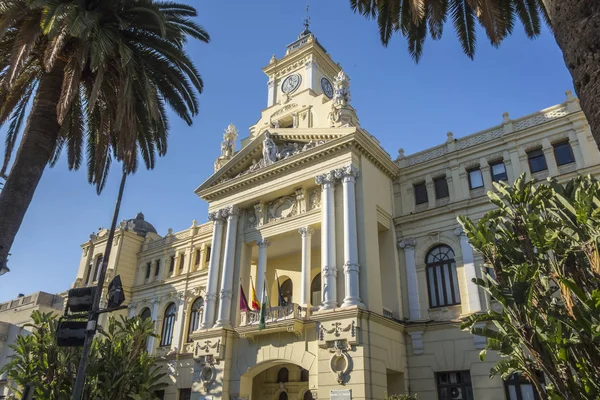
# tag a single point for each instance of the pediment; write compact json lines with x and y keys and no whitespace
{"x":271,"y":148}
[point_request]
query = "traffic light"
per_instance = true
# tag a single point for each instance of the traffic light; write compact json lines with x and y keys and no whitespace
{"x":81,"y":299}
{"x":70,"y":333}
{"x":116,"y":297}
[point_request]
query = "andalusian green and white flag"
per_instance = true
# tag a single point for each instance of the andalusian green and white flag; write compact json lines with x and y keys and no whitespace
{"x":263,"y":306}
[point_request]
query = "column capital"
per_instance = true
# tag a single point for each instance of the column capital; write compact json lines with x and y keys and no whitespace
{"x":326,"y":178}
{"x":216,"y":217}
{"x":225,"y":294}
{"x":264,"y":243}
{"x":348,"y":173}
{"x":460,"y":232}
{"x":409,"y":243}
{"x":306,"y":231}
{"x":232,"y":211}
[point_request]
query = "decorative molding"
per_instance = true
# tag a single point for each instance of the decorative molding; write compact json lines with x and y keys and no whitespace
{"x":329,"y":271}
{"x":208,"y":350}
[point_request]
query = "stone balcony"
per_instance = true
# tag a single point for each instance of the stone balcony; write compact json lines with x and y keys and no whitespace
{"x":290,"y":318}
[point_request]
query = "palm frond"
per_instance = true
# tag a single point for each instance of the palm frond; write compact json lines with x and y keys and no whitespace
{"x":463,"y":18}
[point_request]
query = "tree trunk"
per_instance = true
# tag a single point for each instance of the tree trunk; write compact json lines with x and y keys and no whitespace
{"x":35,"y":151}
{"x":576,"y":25}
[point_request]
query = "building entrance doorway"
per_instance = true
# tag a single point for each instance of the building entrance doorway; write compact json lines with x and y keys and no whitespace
{"x":280,"y":381}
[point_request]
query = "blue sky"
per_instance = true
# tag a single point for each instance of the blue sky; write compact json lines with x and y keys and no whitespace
{"x":403,"y":104}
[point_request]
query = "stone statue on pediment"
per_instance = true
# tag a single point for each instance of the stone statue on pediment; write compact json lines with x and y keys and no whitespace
{"x":269,"y":150}
{"x":228,"y":144}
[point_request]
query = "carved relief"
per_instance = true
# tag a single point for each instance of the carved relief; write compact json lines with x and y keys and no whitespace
{"x":271,"y":152}
{"x":339,"y":337}
{"x":314,"y":199}
{"x":283,"y":207}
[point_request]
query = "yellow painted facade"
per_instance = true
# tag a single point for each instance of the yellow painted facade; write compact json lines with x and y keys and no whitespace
{"x":313,"y":202}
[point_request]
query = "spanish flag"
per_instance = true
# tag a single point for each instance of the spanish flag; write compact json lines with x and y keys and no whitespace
{"x":255,"y":304}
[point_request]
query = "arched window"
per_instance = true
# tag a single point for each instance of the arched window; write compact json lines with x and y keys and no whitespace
{"x":283,"y":375}
{"x":315,"y":290}
{"x":283,"y":396}
{"x":97,"y":266}
{"x":195,"y":315}
{"x":146,"y":313}
{"x":303,"y":375}
{"x":287,"y":288}
{"x":441,"y":277}
{"x":307,"y":395}
{"x":168,"y":323}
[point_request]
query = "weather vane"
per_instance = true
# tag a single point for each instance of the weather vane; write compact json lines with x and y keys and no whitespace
{"x":307,"y":18}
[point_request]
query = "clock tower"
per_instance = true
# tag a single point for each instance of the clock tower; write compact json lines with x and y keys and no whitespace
{"x":306,"y":66}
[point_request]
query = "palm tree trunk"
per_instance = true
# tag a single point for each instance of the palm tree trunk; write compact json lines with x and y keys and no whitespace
{"x":576,"y":25}
{"x":35,"y":151}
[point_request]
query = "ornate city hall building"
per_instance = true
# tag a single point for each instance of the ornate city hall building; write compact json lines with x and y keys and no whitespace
{"x":368,"y":273}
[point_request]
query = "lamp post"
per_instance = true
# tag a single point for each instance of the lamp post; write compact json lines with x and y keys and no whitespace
{"x":93,"y":318}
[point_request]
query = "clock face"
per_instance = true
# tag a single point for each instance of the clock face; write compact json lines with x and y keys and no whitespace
{"x":291,"y":83}
{"x":327,"y":88}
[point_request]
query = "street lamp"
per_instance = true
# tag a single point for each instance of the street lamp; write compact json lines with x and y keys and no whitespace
{"x":4,"y":269}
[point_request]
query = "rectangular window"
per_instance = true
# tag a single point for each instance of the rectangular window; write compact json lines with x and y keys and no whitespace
{"x":537,"y":161}
{"x":148,"y":269}
{"x":185,"y":394}
{"x":454,"y":385}
{"x":157,"y":269}
{"x":208,"y":253}
{"x":197,"y":260}
{"x":181,"y":261}
{"x":563,"y":153}
{"x":172,"y":265}
{"x":498,"y":170}
{"x":519,"y":388}
{"x":441,"y":187}
{"x":421,"y":193}
{"x":475,"y":178}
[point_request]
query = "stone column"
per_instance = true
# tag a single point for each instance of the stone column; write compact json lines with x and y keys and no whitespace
{"x":412,"y":283}
{"x":351,"y":266}
{"x":152,"y":340}
{"x":306,"y":233}
{"x":262,"y":267}
{"x":224,"y":319}
{"x":328,"y":261}
{"x":179,"y":322}
{"x":210,"y":299}
{"x":131,"y":310}
{"x":470,"y":273}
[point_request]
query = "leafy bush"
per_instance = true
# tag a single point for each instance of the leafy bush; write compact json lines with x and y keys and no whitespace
{"x":541,"y":242}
